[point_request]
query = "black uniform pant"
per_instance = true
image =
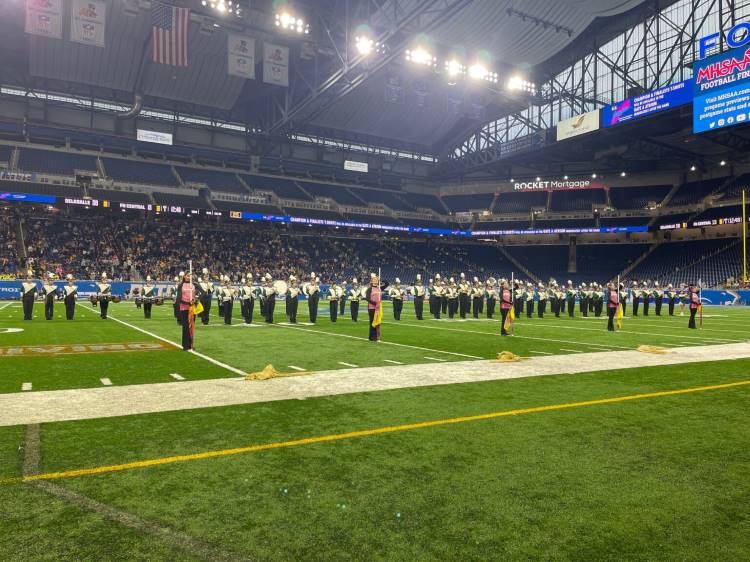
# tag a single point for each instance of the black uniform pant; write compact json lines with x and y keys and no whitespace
{"x":464,"y":304}
{"x":187,"y":338}
{"x":691,"y":323}
{"x":444,"y":304}
{"x":503,"y":316}
{"x":646,"y":304}
{"x":611,"y":318}
{"x":334,"y":307}
{"x":541,"y":308}
{"x":206,"y":301}
{"x":419,"y":306}
{"x":555,"y":306}
{"x":452,"y":307}
{"x":246,"y":309}
{"x":529,"y":308}
{"x":103,"y":307}
{"x":228,"y":309}
{"x":624,"y":304}
{"x":398,"y":306}
{"x":584,"y":306}
{"x":438,"y":307}
{"x":147,"y":309}
{"x":49,"y":307}
{"x":636,"y":304}
{"x":374,"y":332}
{"x":312,"y":307}
{"x":28,"y":307}
{"x":269,"y":309}
{"x":476,"y":306}
{"x":220,"y":306}
{"x":518,"y":307}
{"x":671,"y":307}
{"x":490,"y":308}
{"x":176,"y":309}
{"x":354,"y":310}
{"x":342,"y":306}
{"x":657,"y":307}
{"x":571,"y":307}
{"x":292,"y":303}
{"x":598,"y":308}
{"x":70,"y":308}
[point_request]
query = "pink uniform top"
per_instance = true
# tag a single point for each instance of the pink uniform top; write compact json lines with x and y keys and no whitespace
{"x":506,"y":303}
{"x":375,"y":297}
{"x":187,"y":296}
{"x":695,"y":300}
{"x":614,"y":298}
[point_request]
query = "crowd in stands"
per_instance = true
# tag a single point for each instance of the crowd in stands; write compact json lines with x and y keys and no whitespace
{"x":8,"y":246}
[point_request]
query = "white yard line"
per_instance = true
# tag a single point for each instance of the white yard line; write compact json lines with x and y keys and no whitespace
{"x":542,"y":352}
{"x":177,"y":345}
{"x":571,"y":350}
{"x":295,"y":368}
{"x":382,"y":342}
{"x":177,"y":377}
{"x":105,"y":382}
{"x":392,"y":362}
{"x":6,"y":305}
{"x":434,"y":358}
{"x":348,"y":365}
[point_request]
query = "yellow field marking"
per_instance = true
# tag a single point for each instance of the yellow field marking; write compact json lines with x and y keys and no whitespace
{"x":363,"y":433}
{"x":81,"y":349}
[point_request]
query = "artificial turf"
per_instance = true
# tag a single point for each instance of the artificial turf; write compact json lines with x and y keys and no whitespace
{"x":655,"y":479}
{"x":320,"y":347}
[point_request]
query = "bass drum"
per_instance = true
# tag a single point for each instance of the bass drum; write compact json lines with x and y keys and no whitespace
{"x":116,"y":299}
{"x":93,"y":299}
{"x":158,"y":301}
{"x":280,"y":287}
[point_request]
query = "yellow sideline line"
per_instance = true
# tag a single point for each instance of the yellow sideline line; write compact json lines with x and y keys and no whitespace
{"x":363,"y":433}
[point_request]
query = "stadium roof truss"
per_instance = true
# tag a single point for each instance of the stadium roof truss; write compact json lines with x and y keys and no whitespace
{"x":656,"y":51}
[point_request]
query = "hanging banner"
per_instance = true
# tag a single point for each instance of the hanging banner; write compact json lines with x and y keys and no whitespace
{"x":275,"y":64}
{"x":241,"y":53}
{"x":721,"y":91}
{"x":579,"y":125}
{"x":87,"y":20}
{"x":44,"y":17}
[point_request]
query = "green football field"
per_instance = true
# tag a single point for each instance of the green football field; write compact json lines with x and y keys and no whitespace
{"x":615,"y":464}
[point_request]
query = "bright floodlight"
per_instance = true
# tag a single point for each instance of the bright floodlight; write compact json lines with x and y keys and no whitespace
{"x":479,"y":72}
{"x":454,"y":68}
{"x":224,"y":6}
{"x":421,"y":56}
{"x":518,"y":84}
{"x":364,"y":45}
{"x":285,"y":20}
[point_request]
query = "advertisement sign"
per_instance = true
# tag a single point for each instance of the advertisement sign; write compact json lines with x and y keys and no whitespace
{"x":355,"y":166}
{"x":721,"y":90}
{"x":578,"y":125}
{"x":557,"y":185}
{"x":154,"y":136}
{"x":646,"y":104}
{"x":27,"y":198}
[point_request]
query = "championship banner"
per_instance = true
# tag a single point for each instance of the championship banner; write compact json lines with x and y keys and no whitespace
{"x":275,"y":64}
{"x":579,"y":125}
{"x":241,"y":56}
{"x":44,"y":17}
{"x":87,"y":21}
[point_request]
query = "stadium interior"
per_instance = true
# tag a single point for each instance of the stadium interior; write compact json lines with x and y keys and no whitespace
{"x":530,"y":147}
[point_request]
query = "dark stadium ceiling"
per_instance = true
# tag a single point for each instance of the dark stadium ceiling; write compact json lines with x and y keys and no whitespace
{"x":322,"y":99}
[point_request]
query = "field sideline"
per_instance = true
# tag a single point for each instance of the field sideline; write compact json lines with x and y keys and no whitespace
{"x":646,"y":463}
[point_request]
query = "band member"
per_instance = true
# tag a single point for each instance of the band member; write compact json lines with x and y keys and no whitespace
{"x":658,"y":298}
{"x":373,"y":297}
{"x":490,"y":294}
{"x":185,"y":297}
{"x":518,"y":298}
{"x":553,"y":300}
{"x":463,"y":295}
{"x":173,"y":295}
{"x":28,"y":295}
{"x":342,"y":299}
{"x":313,"y":296}
{"x":205,"y":293}
{"x":477,"y":297}
{"x":443,"y":293}
{"x":636,"y":298}
{"x":149,"y":296}
{"x":695,"y":301}
{"x":333,"y":300}
{"x":646,"y":296}
{"x":418,"y":292}
{"x":292,"y":299}
{"x":269,"y":299}
{"x":49,"y":292}
{"x":529,"y":296}
{"x":247,"y":298}
{"x":103,"y":295}
{"x":570,"y":298}
{"x":355,"y":293}
{"x":396,"y":293}
{"x":623,"y":298}
{"x":672,"y":296}
{"x":137,"y":296}
{"x":597,"y":299}
{"x":584,"y":297}
{"x":432,"y":296}
{"x":226,"y":300}
{"x":70,"y":293}
{"x":683,"y":298}
{"x":613,"y":301}
{"x":506,"y":303}
{"x":542,"y":306}
{"x":219,"y":297}
{"x":560,"y":301}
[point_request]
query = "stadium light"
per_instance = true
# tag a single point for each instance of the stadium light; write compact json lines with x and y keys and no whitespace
{"x":692,"y":168}
{"x":623,"y":174}
{"x":478,"y":71}
{"x":454,"y":68}
{"x":224,"y":6}
{"x":723,"y":163}
{"x":288,"y":21}
{"x":565,"y":177}
{"x":538,"y":178}
{"x":593,"y":176}
{"x":421,"y":56}
{"x":365,"y":45}
{"x":518,"y":84}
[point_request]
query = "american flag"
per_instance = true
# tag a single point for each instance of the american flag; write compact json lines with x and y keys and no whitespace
{"x":170,"y":27}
